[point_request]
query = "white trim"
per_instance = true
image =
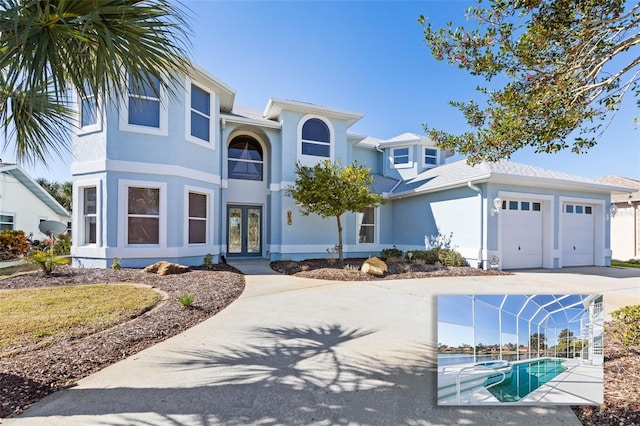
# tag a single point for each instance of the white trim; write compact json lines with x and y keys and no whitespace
{"x":376,"y":229}
{"x":599,"y":250}
{"x":322,"y":248}
{"x":94,"y":128}
{"x":409,"y":164}
{"x":423,"y":153}
{"x":547,"y":209}
{"x":162,"y":130}
{"x":143,"y":168}
{"x":77,"y":236}
{"x":210,"y":222}
{"x":123,"y":185}
{"x":312,"y":160}
{"x":210,"y":144}
{"x":282,"y":186}
{"x":263,"y":145}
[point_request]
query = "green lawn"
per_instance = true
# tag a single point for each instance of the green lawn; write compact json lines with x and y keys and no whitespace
{"x":628,"y":264}
{"x":33,"y":315}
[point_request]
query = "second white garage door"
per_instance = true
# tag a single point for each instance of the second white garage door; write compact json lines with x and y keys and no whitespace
{"x":577,"y":235}
{"x":521,"y":234}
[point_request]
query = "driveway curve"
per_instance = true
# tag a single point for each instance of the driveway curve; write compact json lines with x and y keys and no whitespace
{"x":298,"y":351}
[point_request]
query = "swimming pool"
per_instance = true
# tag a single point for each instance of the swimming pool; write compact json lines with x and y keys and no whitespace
{"x":527,"y":377}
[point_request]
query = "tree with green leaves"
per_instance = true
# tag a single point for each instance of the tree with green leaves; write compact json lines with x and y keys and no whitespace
{"x":330,"y":190}
{"x":537,"y":342}
{"x":554,"y":69}
{"x":97,"y":48}
{"x":62,"y":192}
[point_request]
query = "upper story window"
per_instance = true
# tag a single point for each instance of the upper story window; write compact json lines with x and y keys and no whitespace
{"x":245,"y":159}
{"x":144,"y":110}
{"x":430,"y":157}
{"x":200,"y":118}
{"x":401,"y":157}
{"x":316,"y":138}
{"x":144,"y":103}
{"x":6,"y":221}
{"x":88,"y":111}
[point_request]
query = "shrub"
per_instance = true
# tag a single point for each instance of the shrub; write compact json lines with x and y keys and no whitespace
{"x":207,"y":262}
{"x":62,"y":247}
{"x":47,"y":260}
{"x":444,"y":256}
{"x":116,"y":263}
{"x":438,"y":241}
{"x":626,"y":325}
{"x":13,"y":243}
{"x":391,"y":253}
{"x":186,"y":299}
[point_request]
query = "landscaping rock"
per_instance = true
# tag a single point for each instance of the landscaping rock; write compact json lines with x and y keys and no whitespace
{"x":166,"y":268}
{"x":374,"y":266}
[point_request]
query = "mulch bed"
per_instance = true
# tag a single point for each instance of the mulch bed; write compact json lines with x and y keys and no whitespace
{"x":349,"y":270}
{"x":28,"y":374}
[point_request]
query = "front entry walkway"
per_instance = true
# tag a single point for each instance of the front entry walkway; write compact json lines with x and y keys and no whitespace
{"x":295,"y":351}
{"x":252,"y":266}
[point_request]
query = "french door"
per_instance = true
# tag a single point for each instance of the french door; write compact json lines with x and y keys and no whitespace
{"x":244,"y":230}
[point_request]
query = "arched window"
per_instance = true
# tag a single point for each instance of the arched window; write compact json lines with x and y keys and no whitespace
{"x":316,"y":138}
{"x":245,"y":159}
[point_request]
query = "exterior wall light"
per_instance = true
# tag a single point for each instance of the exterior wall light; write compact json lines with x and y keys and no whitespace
{"x":497,"y":203}
{"x":612,"y":211}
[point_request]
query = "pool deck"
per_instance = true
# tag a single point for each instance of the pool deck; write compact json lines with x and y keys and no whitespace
{"x":581,"y":384}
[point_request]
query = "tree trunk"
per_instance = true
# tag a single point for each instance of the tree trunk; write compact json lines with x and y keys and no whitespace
{"x":339,"y":239}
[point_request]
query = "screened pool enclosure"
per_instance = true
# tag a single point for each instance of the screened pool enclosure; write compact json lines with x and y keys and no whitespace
{"x":480,"y":328}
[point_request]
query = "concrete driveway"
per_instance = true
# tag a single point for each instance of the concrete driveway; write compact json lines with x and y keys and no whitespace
{"x":295,"y":351}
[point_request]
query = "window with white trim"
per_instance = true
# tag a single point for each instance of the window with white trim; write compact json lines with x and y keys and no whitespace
{"x":144,"y":103}
{"x":400,"y":156}
{"x":143,"y":215}
{"x":316,"y":138}
{"x":430,"y":157}
{"x":197,"y":218}
{"x":89,"y":215}
{"x":200,"y":117}
{"x":245,"y":159}
{"x":367,"y":226}
{"x":88,"y":111}
{"x":7,"y":221}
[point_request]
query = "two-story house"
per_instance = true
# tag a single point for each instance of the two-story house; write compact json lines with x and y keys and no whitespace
{"x":161,"y":177}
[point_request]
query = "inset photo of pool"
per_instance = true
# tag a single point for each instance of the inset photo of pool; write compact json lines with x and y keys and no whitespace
{"x":515,"y":349}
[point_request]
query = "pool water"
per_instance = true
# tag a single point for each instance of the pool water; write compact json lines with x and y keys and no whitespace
{"x":525,"y":378}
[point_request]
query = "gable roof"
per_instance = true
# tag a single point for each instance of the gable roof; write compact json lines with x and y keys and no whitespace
{"x":623,"y":197}
{"x":16,"y":172}
{"x":459,"y":173}
{"x":276,"y":106}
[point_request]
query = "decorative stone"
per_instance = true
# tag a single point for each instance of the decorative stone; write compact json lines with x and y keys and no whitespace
{"x":166,"y":268}
{"x":374,"y":266}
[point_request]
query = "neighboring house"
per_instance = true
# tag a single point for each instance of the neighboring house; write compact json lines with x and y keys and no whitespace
{"x":625,"y":225}
{"x":24,"y":203}
{"x":178,"y":178}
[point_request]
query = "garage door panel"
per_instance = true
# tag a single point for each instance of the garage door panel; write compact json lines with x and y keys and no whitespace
{"x":521,"y":236}
{"x":577,"y":235}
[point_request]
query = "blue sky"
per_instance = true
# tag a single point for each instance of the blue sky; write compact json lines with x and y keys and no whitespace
{"x":367,"y":57}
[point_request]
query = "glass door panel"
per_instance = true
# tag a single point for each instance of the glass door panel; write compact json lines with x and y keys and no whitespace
{"x":253,"y":231}
{"x":234,"y":245}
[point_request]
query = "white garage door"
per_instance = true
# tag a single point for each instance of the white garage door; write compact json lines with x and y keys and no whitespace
{"x":521,"y":234}
{"x":577,"y":235}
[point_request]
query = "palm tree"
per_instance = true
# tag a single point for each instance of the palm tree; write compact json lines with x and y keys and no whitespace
{"x":95,"y":47}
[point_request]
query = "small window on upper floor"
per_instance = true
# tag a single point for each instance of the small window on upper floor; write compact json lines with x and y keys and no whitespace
{"x":144,"y":103}
{"x":316,"y":138}
{"x":88,"y":111}
{"x":200,"y":113}
{"x":430,"y":157}
{"x":401,"y":157}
